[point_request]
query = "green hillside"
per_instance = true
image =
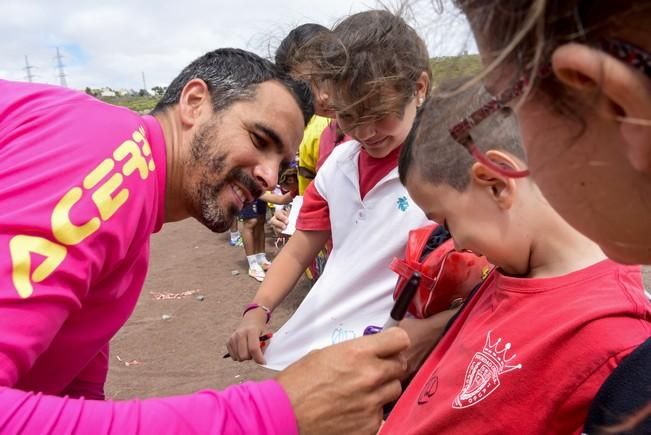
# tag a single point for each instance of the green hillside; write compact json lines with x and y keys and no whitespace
{"x":450,"y":67}
{"x":443,"y":68}
{"x":135,"y":103}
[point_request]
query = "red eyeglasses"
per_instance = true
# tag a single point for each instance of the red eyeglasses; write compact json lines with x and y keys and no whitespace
{"x":634,"y":56}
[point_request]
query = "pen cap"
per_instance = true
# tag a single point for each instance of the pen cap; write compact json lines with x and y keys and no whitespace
{"x":372,"y":329}
{"x":402,"y":303}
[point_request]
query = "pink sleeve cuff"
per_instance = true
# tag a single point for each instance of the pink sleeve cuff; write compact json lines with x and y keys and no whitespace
{"x":282,"y":413}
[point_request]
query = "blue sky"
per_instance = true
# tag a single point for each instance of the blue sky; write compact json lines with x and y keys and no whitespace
{"x":111,"y":42}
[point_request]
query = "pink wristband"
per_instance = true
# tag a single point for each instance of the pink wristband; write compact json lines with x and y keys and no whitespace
{"x":254,"y":306}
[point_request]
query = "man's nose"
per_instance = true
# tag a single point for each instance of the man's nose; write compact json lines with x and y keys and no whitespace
{"x":266,"y":174}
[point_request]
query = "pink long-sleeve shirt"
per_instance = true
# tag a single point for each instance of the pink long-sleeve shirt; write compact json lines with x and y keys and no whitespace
{"x":82,"y":187}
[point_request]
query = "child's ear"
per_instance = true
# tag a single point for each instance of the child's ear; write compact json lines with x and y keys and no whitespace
{"x":422,"y":87}
{"x":194,"y":97}
{"x":628,"y":91}
{"x":502,"y":189}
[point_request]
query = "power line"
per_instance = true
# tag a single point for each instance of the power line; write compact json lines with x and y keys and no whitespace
{"x":28,"y":70}
{"x":62,"y":74}
{"x":144,"y":83}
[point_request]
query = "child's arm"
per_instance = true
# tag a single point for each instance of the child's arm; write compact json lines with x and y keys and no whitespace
{"x":277,"y":199}
{"x":287,"y":268}
{"x":424,"y":334}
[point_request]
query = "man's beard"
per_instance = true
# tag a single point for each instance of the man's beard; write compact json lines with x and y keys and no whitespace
{"x":212,"y":185}
{"x":217,"y":218}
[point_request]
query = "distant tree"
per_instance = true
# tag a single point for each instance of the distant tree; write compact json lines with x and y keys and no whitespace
{"x":143,"y":93}
{"x":159,"y":90}
{"x":92,"y":91}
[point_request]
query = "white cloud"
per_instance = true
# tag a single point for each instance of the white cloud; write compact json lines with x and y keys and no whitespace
{"x":110,"y":43}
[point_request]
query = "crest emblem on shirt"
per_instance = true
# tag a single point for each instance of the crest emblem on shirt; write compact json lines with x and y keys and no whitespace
{"x":403,"y":203}
{"x":483,"y":373}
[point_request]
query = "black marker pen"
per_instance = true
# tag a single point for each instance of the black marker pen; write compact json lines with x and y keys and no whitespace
{"x":402,"y":303}
{"x":400,"y":307}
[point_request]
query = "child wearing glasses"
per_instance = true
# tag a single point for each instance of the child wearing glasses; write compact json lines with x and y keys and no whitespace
{"x":530,"y":348}
{"x":356,"y":197}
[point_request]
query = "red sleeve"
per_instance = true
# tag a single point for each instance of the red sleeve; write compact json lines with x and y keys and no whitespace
{"x":315,"y":213}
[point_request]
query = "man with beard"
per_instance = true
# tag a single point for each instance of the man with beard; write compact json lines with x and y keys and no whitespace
{"x":83,"y":185}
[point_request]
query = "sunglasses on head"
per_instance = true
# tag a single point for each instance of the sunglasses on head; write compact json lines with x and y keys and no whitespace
{"x":460,"y":132}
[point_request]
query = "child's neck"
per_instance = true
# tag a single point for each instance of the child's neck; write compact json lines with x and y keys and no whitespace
{"x":558,"y":249}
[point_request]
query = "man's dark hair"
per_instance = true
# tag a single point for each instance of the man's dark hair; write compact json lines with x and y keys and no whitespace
{"x":233,"y":75}
{"x":431,"y":150}
{"x":291,"y":53}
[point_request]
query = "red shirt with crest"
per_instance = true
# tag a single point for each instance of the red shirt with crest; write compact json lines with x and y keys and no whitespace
{"x":527,"y":355}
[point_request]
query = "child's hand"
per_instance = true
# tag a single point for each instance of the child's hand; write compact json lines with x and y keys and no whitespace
{"x":244,"y":343}
{"x":424,"y":334}
{"x":287,"y":198}
{"x":279,"y":221}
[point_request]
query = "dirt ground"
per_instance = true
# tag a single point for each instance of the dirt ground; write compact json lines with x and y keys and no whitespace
{"x":156,"y":356}
{"x":176,"y":346}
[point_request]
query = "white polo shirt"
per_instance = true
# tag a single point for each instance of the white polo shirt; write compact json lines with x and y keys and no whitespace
{"x":355,"y":289}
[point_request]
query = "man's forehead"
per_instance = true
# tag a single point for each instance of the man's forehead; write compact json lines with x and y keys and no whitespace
{"x":276,"y":94}
{"x":277,"y":108}
{"x":284,"y":146}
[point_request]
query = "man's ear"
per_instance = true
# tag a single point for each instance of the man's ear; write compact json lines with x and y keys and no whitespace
{"x":502,"y":189}
{"x":195,"y":97}
{"x":628,"y":91}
